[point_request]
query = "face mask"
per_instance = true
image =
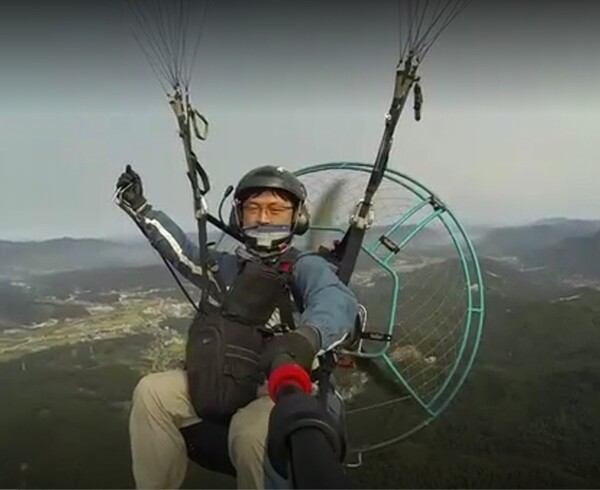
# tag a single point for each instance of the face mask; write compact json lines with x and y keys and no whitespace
{"x":267,"y":237}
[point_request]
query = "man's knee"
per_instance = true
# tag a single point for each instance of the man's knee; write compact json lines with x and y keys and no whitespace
{"x":148,"y":390}
{"x":246,"y":440}
{"x":166,"y":392}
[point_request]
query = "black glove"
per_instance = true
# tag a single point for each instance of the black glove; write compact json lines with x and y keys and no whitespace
{"x":299,"y":346}
{"x":131,"y":185}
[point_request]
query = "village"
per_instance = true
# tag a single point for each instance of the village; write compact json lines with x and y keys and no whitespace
{"x":132,"y":314}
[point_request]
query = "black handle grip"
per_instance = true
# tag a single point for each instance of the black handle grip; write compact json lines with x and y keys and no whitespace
{"x":313,"y":462}
{"x":305,"y":444}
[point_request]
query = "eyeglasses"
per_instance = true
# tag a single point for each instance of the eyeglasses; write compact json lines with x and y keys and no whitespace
{"x":273,"y":210}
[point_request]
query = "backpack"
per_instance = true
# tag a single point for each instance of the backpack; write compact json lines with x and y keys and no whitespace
{"x":225,"y":342}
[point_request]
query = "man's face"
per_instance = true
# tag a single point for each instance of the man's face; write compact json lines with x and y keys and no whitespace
{"x":267,"y":208}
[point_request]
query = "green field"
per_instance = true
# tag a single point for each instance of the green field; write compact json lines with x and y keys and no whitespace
{"x":526,"y":418}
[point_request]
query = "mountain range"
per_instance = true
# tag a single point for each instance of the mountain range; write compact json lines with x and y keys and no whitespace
{"x":562,"y":246}
{"x":521,"y":241}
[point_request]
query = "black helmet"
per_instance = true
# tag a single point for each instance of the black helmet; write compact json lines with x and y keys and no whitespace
{"x":271,"y":177}
{"x":274,"y":178}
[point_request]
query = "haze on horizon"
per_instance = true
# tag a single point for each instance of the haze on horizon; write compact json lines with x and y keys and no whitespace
{"x":509,"y":117}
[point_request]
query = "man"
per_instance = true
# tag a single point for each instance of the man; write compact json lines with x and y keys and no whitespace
{"x":269,"y":208}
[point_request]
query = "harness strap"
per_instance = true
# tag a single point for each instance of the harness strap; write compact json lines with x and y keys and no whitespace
{"x":286,"y":307}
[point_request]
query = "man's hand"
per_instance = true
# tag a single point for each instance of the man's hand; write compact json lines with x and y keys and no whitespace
{"x":132,"y":193}
{"x":299,"y":346}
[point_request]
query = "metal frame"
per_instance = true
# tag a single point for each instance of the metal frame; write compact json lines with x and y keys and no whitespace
{"x":475,"y":303}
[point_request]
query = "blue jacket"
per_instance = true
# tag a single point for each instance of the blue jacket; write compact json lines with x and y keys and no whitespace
{"x":329,"y":305}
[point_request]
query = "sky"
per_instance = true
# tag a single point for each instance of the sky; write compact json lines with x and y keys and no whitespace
{"x":510,"y":118}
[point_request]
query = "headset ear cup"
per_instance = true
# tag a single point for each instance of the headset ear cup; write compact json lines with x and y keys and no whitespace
{"x":302,"y":220}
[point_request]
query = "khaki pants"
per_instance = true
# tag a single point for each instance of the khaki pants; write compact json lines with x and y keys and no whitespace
{"x":161,"y":406}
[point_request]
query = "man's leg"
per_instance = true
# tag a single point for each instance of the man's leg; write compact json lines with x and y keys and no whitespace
{"x":160,"y":406}
{"x":248,"y":434}
{"x":248,"y":447}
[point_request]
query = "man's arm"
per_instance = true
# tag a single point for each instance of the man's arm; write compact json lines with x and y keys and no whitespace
{"x":330,"y":306}
{"x":162,"y":232}
{"x":173,"y":244}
